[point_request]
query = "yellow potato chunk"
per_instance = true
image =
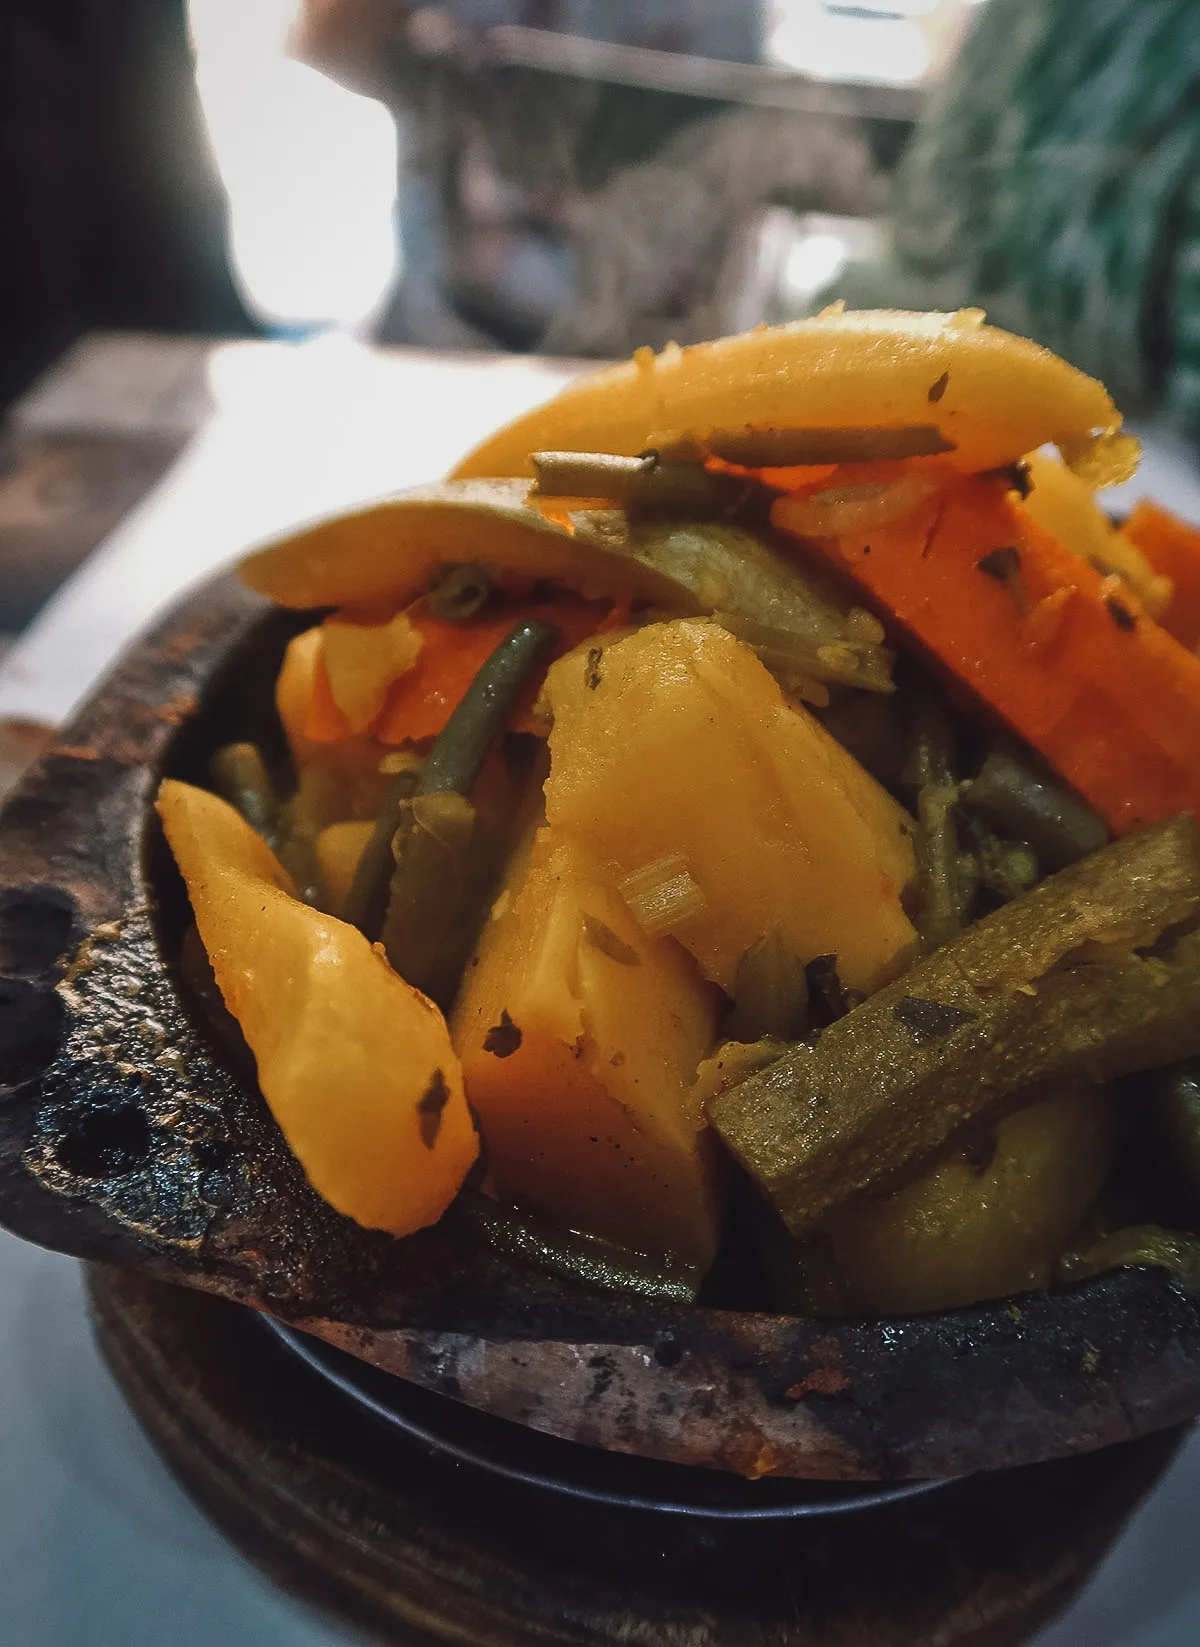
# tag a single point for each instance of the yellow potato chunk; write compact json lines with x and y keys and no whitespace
{"x":363,"y":659}
{"x":356,"y":1066}
{"x":972,"y":1229}
{"x":336,"y":779}
{"x":677,"y":744}
{"x":339,"y":847}
{"x":579,"y":1039}
{"x":986,"y":394}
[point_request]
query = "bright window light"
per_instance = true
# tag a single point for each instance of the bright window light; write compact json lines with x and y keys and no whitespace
{"x":310,"y":170}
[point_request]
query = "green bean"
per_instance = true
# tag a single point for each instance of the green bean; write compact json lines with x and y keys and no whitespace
{"x":770,"y":995}
{"x":1045,"y":990}
{"x":573,"y":1255}
{"x":1140,"y":1245}
{"x":439,"y":881}
{"x":453,"y":764}
{"x":1029,"y":803}
{"x":1177,"y":1110}
{"x":366,"y":902}
{"x":786,"y":448}
{"x":240,"y":775}
{"x":943,"y":894}
{"x":479,"y":719}
{"x":644,"y":486}
{"x":457,"y":592}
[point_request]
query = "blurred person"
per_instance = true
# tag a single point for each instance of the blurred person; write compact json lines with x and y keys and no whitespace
{"x":560,"y":211}
{"x":111,"y":209}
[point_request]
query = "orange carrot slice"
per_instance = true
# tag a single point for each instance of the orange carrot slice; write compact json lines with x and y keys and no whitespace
{"x":1065,"y":657}
{"x":1173,"y":549}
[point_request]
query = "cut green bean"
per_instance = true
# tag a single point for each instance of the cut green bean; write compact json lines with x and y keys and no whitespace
{"x":452,"y":765}
{"x":1046,"y":990}
{"x":438,"y":886}
{"x":1029,"y":803}
{"x":943,"y":892}
{"x":458,"y":592}
{"x":366,"y":902}
{"x":240,"y":775}
{"x":644,"y":486}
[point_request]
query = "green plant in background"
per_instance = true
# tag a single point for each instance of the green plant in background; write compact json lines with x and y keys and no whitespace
{"x":1055,"y":179}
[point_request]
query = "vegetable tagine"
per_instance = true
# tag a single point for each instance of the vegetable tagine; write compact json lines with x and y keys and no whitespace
{"x":739,"y":833}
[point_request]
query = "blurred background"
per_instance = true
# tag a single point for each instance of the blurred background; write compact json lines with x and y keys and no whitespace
{"x":568,"y":177}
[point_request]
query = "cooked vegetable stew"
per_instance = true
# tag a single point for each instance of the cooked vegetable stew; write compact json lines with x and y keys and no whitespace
{"x":750,"y":811}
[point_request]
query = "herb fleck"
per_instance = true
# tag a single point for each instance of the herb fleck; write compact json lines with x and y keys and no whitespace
{"x":433,"y":1101}
{"x":930,"y":1020}
{"x":1001,"y":564}
{"x":592,"y":675}
{"x":939,"y":388}
{"x":1120,"y":614}
{"x":504,"y":1038}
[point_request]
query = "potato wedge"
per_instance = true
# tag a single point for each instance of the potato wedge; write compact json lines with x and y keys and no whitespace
{"x":983,"y":394}
{"x":968,"y":1229}
{"x":675,"y":742}
{"x":579,"y":1039}
{"x":356,"y":1067}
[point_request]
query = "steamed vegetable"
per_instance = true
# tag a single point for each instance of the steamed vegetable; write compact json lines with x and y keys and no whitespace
{"x":579,"y":1038}
{"x":1173,"y":549}
{"x":986,"y":1221}
{"x":1065,"y":657}
{"x":442,"y":866}
{"x":356,"y":1066}
{"x":1029,"y":803}
{"x":732,"y":921}
{"x":917,"y":382}
{"x":676,"y":740}
{"x":1065,"y":507}
{"x":1050,"y":989}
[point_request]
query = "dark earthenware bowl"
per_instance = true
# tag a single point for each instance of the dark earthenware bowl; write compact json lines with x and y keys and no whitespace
{"x":126,"y":1137}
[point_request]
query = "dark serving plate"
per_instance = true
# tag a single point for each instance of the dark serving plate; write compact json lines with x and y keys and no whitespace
{"x":127,"y":1136}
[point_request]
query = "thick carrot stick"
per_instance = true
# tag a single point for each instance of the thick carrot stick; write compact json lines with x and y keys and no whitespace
{"x":1064,"y":657}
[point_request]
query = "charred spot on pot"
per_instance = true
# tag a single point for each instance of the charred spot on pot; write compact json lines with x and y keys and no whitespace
{"x":433,"y":1101}
{"x":668,"y":1352}
{"x":105,"y":1143}
{"x":31,"y":1029}
{"x":938,"y":389}
{"x":504,"y":1038}
{"x":930,"y":1020}
{"x":35,"y":929}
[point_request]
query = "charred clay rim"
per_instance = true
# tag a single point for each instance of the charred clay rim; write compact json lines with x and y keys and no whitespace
{"x":127,"y":1137}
